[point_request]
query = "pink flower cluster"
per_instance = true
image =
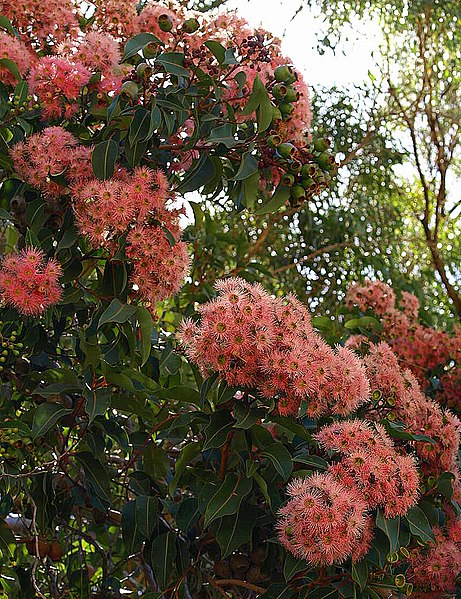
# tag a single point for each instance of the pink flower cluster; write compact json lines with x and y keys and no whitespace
{"x":41,"y":22}
{"x":403,"y":399}
{"x":327,"y":518}
{"x":57,"y":83}
{"x":29,"y":282}
{"x":15,"y":50}
{"x":136,"y":204}
{"x":434,"y":570}
{"x":254,"y":340}
{"x":420,"y":348}
{"x":53,"y":151}
{"x":370,"y":462}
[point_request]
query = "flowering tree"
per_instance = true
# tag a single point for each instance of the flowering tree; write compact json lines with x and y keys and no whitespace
{"x":162,"y":439}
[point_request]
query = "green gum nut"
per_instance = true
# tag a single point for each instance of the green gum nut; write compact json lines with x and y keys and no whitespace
{"x":408,"y":590}
{"x":279,"y":91}
{"x":285,"y":74}
{"x":129,"y":90}
{"x":399,"y":581}
{"x":143,"y":70}
{"x":286,"y":150}
{"x":151,"y":50}
{"x":404,"y":552}
{"x":288,"y":179}
{"x":307,"y":183}
{"x":191,"y":25}
{"x":286,"y":108}
{"x":292,"y":94}
{"x":165,"y":22}
{"x":320,"y":145}
{"x":324,"y":160}
{"x":295,"y":167}
{"x":276,"y":114}
{"x":298,"y":192}
{"x":273,"y":141}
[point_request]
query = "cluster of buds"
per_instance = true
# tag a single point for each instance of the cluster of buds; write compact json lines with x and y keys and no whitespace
{"x":306,"y":171}
{"x":10,"y":347}
{"x":284,"y":93}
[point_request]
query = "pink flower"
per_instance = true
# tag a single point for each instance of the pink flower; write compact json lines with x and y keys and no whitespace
{"x":30,"y":282}
{"x":13,"y":49}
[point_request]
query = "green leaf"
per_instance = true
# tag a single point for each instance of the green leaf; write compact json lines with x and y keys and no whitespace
{"x":248,"y":166}
{"x":161,"y":557}
{"x":103,"y":159}
{"x":445,"y":484}
{"x":12,"y":67}
{"x":134,"y":153}
{"x":419,"y":524}
{"x":323,"y":593}
{"x":187,"y":454}
{"x":146,"y":326}
{"x":187,"y":514}
{"x":391,"y":528}
{"x":223,"y":135}
{"x":247,"y":416}
{"x":280,"y":457}
{"x":182,"y":393}
{"x":200,"y":175}
{"x":132,"y":537}
{"x":314,"y":461}
{"x":6,"y":24}
{"x":46,"y":416}
{"x":366,"y":322}
{"x":140,"y":125}
{"x":360,"y":573}
{"x":278,"y":590}
{"x":146,"y":508}
{"x":278,"y":199}
{"x":117,"y":312}
{"x":6,"y":539}
{"x":95,"y":474}
{"x":233,"y":532}
{"x":216,"y":432}
{"x":293,"y":566}
{"x":217,"y":49}
{"x":173,"y":62}
{"x":156,"y":462}
{"x":97,"y":401}
{"x":397,"y":430}
{"x":227,"y":498}
{"x":138,"y":42}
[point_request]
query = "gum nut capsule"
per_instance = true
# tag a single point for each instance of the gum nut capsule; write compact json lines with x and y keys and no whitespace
{"x":298,"y":192}
{"x":286,"y":108}
{"x":191,"y":25}
{"x":165,"y":22}
{"x":276,"y":114}
{"x":321,"y":144}
{"x":292,"y":94}
{"x":130,"y":90}
{"x":273,"y":141}
{"x":288,"y":179}
{"x":279,"y":91}
{"x":143,"y":70}
{"x":151,"y":50}
{"x":286,"y":150}
{"x":284,"y":73}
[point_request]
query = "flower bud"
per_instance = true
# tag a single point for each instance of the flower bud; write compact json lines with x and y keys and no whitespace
{"x":285,"y":74}
{"x":292,"y":94}
{"x":191,"y":25}
{"x":408,"y":589}
{"x":286,"y":150}
{"x":129,"y":90}
{"x":298,"y":192}
{"x":392,"y":558}
{"x":279,"y":91}
{"x":165,"y":22}
{"x":399,"y":581}
{"x":286,"y":108}
{"x":404,"y":552}
{"x":273,"y":141}
{"x":320,"y":144}
{"x":151,"y":50}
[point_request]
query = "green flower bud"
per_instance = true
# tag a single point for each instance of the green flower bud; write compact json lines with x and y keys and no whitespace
{"x":295,"y":166}
{"x":129,"y":90}
{"x":279,"y":91}
{"x":292,"y":94}
{"x":273,"y":141}
{"x":404,"y":552}
{"x":165,"y":22}
{"x":285,"y":74}
{"x":286,"y":108}
{"x":408,"y":589}
{"x":5,"y":352}
{"x":286,"y":150}
{"x":288,"y":179}
{"x":2,"y":359}
{"x":376,"y":395}
{"x":298,"y":192}
{"x":143,"y":70}
{"x":151,"y":50}
{"x":392,"y":558}
{"x":399,"y":581}
{"x":191,"y":25}
{"x":320,"y":144}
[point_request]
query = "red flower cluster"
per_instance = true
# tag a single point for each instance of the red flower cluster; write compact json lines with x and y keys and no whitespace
{"x":254,"y":340}
{"x":29,"y":282}
{"x":136,"y":204}
{"x":422,"y":349}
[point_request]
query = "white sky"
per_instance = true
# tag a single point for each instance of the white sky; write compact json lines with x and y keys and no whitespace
{"x":350,"y":65}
